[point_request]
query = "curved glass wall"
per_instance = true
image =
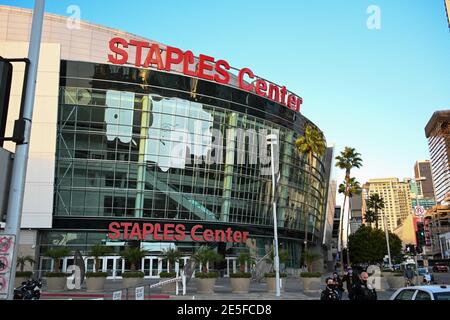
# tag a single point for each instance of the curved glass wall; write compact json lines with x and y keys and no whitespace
{"x":119,"y":154}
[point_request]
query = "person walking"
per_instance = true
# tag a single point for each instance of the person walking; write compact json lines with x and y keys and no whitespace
{"x":427,"y":278}
{"x":350,"y":279}
{"x":330,"y":293}
{"x":409,"y":276}
{"x":362,"y":290}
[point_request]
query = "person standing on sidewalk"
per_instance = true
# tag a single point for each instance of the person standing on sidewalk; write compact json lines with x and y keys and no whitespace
{"x":350,"y":279}
{"x":330,"y":293}
{"x":362,"y":290}
{"x":339,"y":284}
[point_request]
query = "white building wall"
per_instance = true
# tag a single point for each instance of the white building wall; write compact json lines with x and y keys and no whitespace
{"x":38,"y":198}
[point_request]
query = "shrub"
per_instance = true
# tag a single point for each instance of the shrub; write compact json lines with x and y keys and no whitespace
{"x":310,"y":275}
{"x":206,"y":275}
{"x":96,"y":274}
{"x":56,"y":275}
{"x":273,"y":275}
{"x":133,"y":274}
{"x":168,"y":275}
{"x":241,"y":275}
{"x":24,"y":274}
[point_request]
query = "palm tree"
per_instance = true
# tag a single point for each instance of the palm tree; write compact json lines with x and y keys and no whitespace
{"x":311,"y":144}
{"x":375,"y":203}
{"x":205,"y":255}
{"x":244,"y":258}
{"x":310,"y":258}
{"x":283,"y":256}
{"x":56,"y":254}
{"x":22,"y":261}
{"x":133,"y":256}
{"x":98,"y":251}
{"x":370,"y":216}
{"x":347,"y":160}
{"x":172,"y":256}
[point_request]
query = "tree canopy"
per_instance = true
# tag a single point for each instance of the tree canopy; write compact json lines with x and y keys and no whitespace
{"x":368,"y":245}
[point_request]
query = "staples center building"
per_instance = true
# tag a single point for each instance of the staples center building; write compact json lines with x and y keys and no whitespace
{"x":106,"y":167}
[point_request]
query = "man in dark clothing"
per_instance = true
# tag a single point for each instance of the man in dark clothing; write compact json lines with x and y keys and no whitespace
{"x":339,"y":284}
{"x":330,"y":293}
{"x":361,"y":290}
{"x":409,"y":276}
{"x":350,"y":279}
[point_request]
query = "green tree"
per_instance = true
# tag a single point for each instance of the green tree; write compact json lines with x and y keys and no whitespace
{"x":56,"y":254}
{"x":172,"y":256}
{"x":311,"y":144}
{"x":347,"y":160}
{"x":283,"y":256}
{"x":244,"y":258}
{"x":375,"y":204}
{"x":22,"y":261}
{"x":368,"y":245}
{"x":133,"y":256}
{"x":310,"y":258}
{"x":370,"y":216}
{"x":205,"y":255}
{"x":98,"y":251}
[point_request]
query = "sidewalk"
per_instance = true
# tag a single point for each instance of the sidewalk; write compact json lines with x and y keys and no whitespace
{"x":258,"y":291}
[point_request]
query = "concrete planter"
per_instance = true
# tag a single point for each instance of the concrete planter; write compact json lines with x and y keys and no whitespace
{"x":240,"y":285}
{"x":95,"y":284}
{"x":312,"y":284}
{"x":132,"y":282}
{"x":205,"y":286}
{"x":271,"y":284}
{"x":19,"y":280}
{"x":56,"y":283}
{"x":395,"y":282}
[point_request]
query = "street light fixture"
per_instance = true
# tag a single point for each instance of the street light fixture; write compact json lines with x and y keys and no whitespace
{"x":272,"y":139}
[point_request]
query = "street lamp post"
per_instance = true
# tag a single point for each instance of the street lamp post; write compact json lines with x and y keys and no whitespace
{"x":387,"y":242}
{"x":17,"y":186}
{"x":272,"y":139}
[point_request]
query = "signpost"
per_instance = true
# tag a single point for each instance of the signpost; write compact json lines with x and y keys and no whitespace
{"x":140,"y":293}
{"x":6,"y":252}
{"x":117,"y":295}
{"x":419,"y":211}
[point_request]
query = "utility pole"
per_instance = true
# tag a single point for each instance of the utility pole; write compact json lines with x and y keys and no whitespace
{"x":273,"y":140}
{"x":387,"y":241}
{"x":16,"y":193}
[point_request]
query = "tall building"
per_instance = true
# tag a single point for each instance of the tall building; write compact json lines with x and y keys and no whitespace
{"x":126,"y":150}
{"x":330,"y":246}
{"x":436,"y":224}
{"x":438,"y":133}
{"x":397,"y":200}
{"x":423,"y":177}
{"x":417,"y":198}
{"x":356,"y":206}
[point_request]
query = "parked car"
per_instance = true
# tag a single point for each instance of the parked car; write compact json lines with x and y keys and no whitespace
{"x":440,"y":268}
{"x":422,"y":270}
{"x":434,"y":292}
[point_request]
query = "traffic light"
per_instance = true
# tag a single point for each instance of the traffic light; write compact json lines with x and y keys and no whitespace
{"x":420,"y":235}
{"x":6,"y":69}
{"x":411,"y":249}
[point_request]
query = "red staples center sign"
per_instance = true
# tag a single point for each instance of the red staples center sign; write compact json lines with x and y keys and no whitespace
{"x":206,"y":67}
{"x":172,"y":232}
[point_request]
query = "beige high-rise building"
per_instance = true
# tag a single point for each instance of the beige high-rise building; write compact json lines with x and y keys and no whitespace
{"x":397,"y":200}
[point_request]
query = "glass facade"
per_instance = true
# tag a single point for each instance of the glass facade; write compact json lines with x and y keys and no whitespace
{"x":119,"y":156}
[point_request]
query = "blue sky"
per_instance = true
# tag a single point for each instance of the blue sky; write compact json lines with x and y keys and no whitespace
{"x":373,"y":90}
